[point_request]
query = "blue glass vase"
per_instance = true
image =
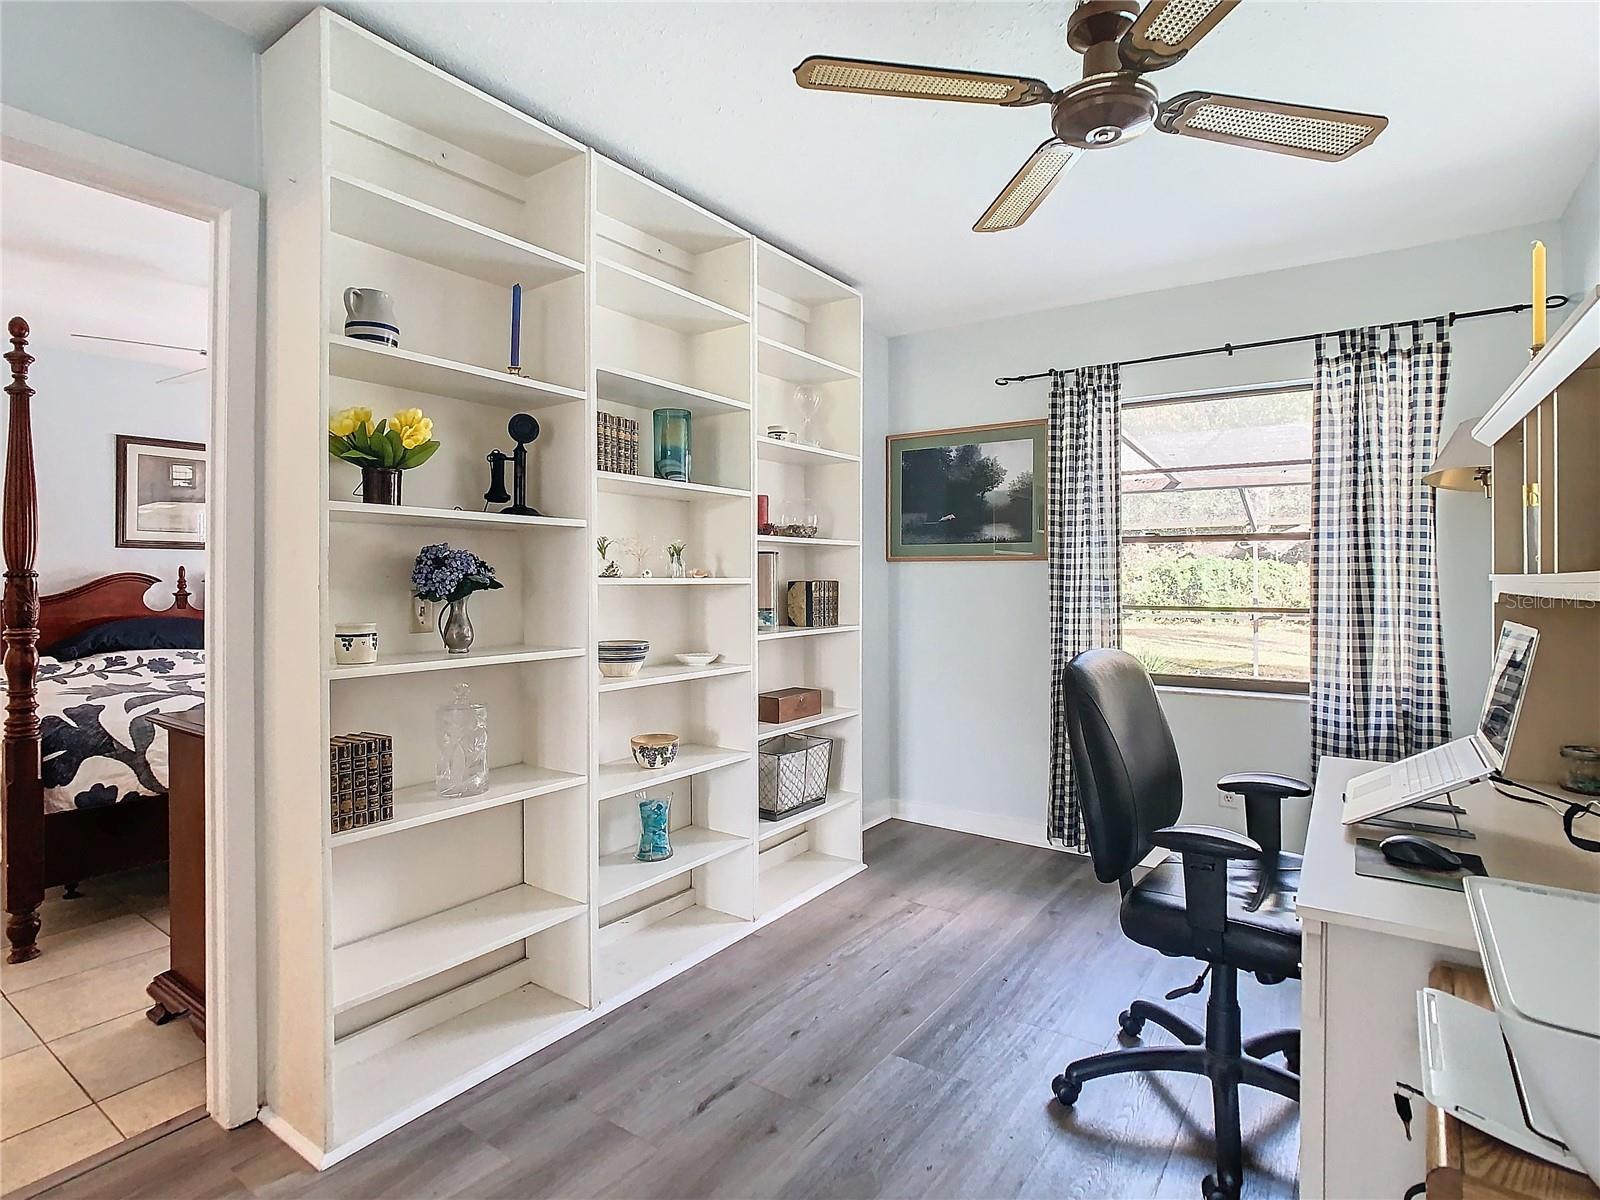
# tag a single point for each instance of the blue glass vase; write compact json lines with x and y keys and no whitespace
{"x":674,"y":438}
{"x":655,"y":829}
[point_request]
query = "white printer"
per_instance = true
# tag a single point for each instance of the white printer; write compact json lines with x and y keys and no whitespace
{"x":1527,"y":1073}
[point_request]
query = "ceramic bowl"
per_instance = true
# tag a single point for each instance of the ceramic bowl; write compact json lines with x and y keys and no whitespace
{"x":652,"y":751}
{"x":697,"y":658}
{"x":621,"y":670}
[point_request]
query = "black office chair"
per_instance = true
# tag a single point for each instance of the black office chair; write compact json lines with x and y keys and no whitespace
{"x":1228,"y":902}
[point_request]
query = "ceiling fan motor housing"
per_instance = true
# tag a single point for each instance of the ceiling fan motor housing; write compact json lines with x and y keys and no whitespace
{"x":1103,"y":110}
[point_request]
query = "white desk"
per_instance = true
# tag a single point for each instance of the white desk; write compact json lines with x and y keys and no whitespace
{"x":1367,"y":948}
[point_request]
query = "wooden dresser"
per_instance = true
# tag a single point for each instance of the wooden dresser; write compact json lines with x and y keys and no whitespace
{"x":181,"y":989}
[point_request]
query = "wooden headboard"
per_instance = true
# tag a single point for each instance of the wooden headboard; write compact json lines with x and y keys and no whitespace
{"x":109,"y":598}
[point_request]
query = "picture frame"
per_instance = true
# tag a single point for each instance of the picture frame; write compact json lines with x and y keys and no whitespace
{"x":161,"y":493}
{"x":943,"y":469}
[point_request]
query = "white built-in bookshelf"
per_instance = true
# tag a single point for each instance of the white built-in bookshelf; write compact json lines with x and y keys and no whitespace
{"x":406,"y":961}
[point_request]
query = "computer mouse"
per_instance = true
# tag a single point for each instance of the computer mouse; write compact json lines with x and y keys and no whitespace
{"x":1409,"y":850}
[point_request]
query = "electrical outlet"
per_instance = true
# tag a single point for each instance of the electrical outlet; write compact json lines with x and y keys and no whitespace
{"x":421,"y":615}
{"x":1228,"y":799}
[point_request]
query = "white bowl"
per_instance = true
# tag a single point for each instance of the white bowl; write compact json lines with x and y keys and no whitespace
{"x":620,"y":670}
{"x":697,"y":659}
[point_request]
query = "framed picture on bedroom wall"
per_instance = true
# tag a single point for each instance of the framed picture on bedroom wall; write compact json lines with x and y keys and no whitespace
{"x":968,"y":495}
{"x":161,"y":494}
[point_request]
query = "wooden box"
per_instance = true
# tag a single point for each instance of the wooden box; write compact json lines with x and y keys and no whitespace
{"x":788,"y":704}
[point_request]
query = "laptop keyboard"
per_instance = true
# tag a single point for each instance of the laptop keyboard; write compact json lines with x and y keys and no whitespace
{"x":1436,"y":768}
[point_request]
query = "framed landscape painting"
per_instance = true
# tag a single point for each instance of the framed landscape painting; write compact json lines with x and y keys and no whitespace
{"x":161,"y":494}
{"x":968,"y":495}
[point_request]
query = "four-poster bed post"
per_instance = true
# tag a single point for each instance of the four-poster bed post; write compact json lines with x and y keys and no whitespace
{"x":24,"y":822}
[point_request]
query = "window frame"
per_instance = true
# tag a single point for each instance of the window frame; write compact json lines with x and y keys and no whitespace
{"x":1222,"y":683}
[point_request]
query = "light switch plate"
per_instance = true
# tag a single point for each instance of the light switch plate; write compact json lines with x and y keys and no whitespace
{"x":421,"y":615}
{"x":1228,"y":799}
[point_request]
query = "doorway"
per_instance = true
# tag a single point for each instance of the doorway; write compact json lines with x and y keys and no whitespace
{"x":138,"y":280}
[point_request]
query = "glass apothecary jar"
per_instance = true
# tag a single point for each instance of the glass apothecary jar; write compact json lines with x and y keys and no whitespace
{"x":1581,"y":769}
{"x":462,"y":768}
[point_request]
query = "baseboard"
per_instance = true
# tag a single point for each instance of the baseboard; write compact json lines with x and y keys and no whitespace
{"x":963,"y":820}
{"x":294,"y":1139}
{"x":875,"y":811}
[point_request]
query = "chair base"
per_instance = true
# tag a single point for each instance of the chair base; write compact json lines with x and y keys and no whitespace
{"x":1220,"y":1054}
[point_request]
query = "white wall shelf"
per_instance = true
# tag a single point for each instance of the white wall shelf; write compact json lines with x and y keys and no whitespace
{"x":406,"y":370}
{"x":826,"y":717}
{"x":801,"y":454}
{"x":798,"y":366}
{"x":622,"y":875}
{"x":638,"y":390}
{"x":380,"y":1093}
{"x":800,"y":879}
{"x":657,"y":302}
{"x":786,"y":632}
{"x":650,"y":488}
{"x":422,"y":805}
{"x":386,"y":962}
{"x":624,"y":775}
{"x":655,"y":676}
{"x":768,"y":539}
{"x":770,"y":831}
{"x":398,"y":514}
{"x":440,"y":660}
{"x":520,"y":913}
{"x":372,"y":214}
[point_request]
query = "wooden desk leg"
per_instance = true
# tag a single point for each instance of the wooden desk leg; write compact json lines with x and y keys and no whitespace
{"x":180,"y":991}
{"x":174,"y":998}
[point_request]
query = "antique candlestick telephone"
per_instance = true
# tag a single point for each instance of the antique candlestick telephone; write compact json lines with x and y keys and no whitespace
{"x":523,"y":430}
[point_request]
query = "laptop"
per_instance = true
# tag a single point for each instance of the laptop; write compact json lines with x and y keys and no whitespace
{"x":1464,"y":760}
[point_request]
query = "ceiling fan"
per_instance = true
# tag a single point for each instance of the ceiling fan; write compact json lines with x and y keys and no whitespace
{"x":100,"y":337}
{"x":1113,"y":102}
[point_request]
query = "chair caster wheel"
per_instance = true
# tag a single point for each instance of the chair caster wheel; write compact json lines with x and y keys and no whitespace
{"x":1212,"y":1190}
{"x":1130,"y":1025}
{"x":1066,"y":1090}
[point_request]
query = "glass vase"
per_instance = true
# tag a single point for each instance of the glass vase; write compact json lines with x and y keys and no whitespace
{"x":462,"y":768}
{"x":655,"y":828}
{"x":674,"y":438}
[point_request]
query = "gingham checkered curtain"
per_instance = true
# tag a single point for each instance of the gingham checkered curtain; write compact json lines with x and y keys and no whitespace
{"x":1377,"y":655}
{"x":1084,"y":541}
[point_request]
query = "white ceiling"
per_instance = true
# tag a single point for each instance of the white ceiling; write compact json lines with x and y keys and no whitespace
{"x":74,"y":259}
{"x":1494,"y":111}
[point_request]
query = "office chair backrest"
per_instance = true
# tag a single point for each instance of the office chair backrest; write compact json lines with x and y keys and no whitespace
{"x":1124,"y":757}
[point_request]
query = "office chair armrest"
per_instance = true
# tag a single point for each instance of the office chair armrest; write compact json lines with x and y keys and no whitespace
{"x":1264,"y":793}
{"x":1205,"y":840}
{"x":1206,"y":851}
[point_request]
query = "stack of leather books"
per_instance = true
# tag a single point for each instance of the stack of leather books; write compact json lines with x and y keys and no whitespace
{"x":361,"y":782}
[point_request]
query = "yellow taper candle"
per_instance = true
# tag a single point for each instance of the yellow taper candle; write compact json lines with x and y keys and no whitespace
{"x":1538,"y":296}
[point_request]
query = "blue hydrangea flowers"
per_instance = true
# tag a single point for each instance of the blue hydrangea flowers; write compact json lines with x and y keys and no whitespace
{"x":442,"y":574}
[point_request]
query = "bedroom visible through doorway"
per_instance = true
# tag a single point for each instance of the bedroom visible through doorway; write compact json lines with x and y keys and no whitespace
{"x":102,"y":1010}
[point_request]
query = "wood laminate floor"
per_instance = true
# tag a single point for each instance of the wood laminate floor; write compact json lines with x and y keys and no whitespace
{"x":895,"y":1038}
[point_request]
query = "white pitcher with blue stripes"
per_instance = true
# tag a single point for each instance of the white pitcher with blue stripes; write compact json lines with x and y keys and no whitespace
{"x":369,"y":316}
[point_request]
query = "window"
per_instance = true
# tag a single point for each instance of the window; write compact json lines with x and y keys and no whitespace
{"x":1216,"y":538}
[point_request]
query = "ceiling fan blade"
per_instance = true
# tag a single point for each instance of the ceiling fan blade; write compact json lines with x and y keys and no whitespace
{"x":100,"y":337}
{"x":1329,"y":134}
{"x":183,"y":375}
{"x":1027,"y":189}
{"x":1167,"y":30}
{"x":873,"y":78}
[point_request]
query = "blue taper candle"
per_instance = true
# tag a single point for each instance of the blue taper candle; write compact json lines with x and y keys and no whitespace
{"x":516,"y":326}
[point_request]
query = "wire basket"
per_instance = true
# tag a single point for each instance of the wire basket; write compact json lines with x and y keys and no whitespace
{"x":794,"y":774}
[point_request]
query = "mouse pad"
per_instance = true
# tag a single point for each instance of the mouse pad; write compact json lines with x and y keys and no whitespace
{"x":1371,"y":863}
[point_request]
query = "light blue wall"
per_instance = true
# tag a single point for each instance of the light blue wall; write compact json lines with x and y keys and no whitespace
{"x":878,"y":728}
{"x":160,"y":77}
{"x":1578,"y":269}
{"x":971,"y":694}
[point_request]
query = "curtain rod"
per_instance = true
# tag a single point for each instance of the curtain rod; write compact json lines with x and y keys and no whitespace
{"x":1229,"y":347}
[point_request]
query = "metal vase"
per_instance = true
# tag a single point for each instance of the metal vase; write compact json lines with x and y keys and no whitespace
{"x":380,"y":485}
{"x":455,"y":626}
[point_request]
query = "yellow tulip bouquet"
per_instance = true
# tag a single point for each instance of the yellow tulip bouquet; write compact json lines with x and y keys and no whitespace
{"x":403,"y":441}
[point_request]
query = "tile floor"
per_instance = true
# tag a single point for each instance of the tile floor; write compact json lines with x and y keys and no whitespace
{"x":80,"y":1066}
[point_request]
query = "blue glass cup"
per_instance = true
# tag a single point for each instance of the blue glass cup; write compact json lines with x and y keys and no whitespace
{"x":655,"y":829}
{"x":674,"y":438}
